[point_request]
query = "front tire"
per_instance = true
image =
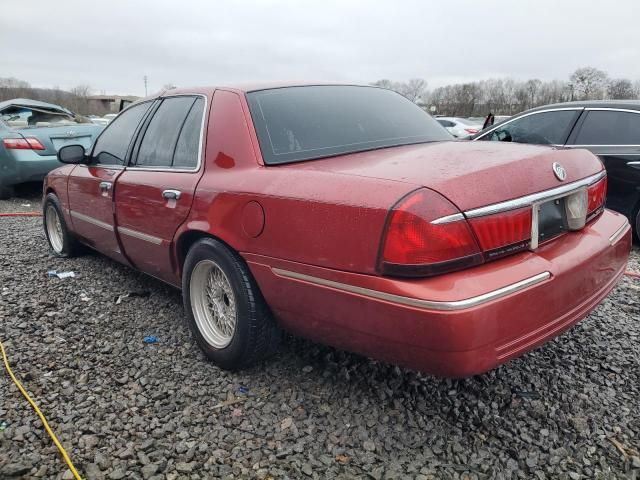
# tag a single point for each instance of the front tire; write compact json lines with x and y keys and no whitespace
{"x":225,"y":310}
{"x":61,"y":240}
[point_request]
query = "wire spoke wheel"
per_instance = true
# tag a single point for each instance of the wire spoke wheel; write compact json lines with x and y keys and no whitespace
{"x":213,"y":303}
{"x":54,"y":229}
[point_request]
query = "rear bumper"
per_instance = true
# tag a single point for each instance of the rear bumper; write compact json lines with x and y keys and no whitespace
{"x":459,"y":324}
{"x":20,"y":166}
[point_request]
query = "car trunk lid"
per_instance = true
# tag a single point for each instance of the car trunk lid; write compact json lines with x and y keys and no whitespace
{"x":54,"y":138}
{"x":469,"y":174}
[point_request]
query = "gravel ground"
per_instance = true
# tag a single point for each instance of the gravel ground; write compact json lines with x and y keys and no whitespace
{"x":126,"y":409}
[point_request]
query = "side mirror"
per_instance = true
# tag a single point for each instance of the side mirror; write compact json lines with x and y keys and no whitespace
{"x":73,"y":154}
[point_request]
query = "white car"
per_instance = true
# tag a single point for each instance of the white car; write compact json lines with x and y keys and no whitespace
{"x":459,"y":127}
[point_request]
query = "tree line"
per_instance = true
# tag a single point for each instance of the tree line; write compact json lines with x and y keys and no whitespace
{"x":500,"y":96}
{"x":507,"y":96}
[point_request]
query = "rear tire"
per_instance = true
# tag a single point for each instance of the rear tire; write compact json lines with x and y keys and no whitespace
{"x":61,"y":241}
{"x":6,"y":192}
{"x":226,"y":312}
{"x":635,"y":223}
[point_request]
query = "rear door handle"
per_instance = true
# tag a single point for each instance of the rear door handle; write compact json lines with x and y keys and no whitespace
{"x":172,"y":194}
{"x":105,"y":186}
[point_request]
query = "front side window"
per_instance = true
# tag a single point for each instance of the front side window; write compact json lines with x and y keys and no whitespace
{"x":304,"y":123}
{"x":159,"y":142}
{"x":112,"y":145}
{"x":548,"y":128}
{"x":609,"y":127}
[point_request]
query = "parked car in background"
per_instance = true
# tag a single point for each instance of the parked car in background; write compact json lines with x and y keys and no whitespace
{"x":343,"y":214}
{"x":459,"y":127}
{"x":31,"y":132}
{"x":99,"y":120}
{"x":608,"y":128}
{"x":109,"y":116}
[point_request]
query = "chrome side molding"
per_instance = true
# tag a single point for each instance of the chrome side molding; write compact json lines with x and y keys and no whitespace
{"x":417,"y":302}
{"x":140,"y":235}
{"x":91,"y":220}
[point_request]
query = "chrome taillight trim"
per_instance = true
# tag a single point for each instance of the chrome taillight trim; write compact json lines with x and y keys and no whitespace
{"x":416,"y":302}
{"x":448,"y":219}
{"x":529,"y":200}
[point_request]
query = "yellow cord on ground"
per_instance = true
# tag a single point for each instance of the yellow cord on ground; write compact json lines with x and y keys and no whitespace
{"x":40,"y":414}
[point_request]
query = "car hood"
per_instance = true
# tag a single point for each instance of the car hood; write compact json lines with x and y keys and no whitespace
{"x":470,"y":174}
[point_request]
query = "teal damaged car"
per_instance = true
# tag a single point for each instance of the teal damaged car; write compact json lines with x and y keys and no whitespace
{"x":31,"y":133}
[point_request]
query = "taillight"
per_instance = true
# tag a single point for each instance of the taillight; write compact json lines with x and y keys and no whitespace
{"x":28,"y":143}
{"x":503,"y":233}
{"x":471,"y":131}
{"x":596,"y":193}
{"x":427,"y":235}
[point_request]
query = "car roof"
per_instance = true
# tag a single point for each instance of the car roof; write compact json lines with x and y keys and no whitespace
{"x":629,"y":104}
{"x":25,"y":102}
{"x":246,"y":88}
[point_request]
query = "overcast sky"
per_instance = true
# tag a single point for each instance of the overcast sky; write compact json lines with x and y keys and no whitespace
{"x":112,"y":44}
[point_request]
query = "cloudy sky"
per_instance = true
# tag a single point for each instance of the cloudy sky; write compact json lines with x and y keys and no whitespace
{"x":112,"y":44}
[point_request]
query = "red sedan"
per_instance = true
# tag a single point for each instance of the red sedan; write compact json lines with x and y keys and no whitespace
{"x":342,"y":214}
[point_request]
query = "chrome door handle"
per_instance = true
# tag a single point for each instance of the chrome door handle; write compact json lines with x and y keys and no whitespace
{"x":105,"y":186}
{"x":172,"y":194}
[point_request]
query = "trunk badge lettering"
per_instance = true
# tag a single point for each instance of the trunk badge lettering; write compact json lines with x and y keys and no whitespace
{"x":560,"y":172}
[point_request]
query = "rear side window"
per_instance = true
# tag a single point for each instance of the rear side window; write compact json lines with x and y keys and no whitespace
{"x":548,"y":128}
{"x":605,"y":127}
{"x":304,"y":123}
{"x":161,"y":136}
{"x":188,"y":146}
{"x":112,"y":145}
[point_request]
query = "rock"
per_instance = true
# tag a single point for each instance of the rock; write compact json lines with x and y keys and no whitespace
{"x":184,"y":467}
{"x":307,"y":469}
{"x":369,"y":446}
{"x":16,"y":469}
{"x":117,"y":474}
{"x":149,"y":470}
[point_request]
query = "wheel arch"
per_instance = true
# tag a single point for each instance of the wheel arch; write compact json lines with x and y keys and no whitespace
{"x":187,"y":239}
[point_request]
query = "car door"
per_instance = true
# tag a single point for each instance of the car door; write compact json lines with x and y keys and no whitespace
{"x":614,"y":135}
{"x":546,"y":127}
{"x":154,"y":194}
{"x":90,"y":186}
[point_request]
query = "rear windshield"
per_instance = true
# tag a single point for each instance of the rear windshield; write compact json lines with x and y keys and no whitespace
{"x":17,"y":116}
{"x":303,"y":123}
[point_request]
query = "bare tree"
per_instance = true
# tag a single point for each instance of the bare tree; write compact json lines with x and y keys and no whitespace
{"x":414,"y":89}
{"x":384,"y":83}
{"x":620,"y":89}
{"x":589,"y":82}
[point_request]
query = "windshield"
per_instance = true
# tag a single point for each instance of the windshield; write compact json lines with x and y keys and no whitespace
{"x":17,"y":116}
{"x":304,"y":123}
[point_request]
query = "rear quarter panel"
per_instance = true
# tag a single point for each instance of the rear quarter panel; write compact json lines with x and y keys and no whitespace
{"x":313,"y":217}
